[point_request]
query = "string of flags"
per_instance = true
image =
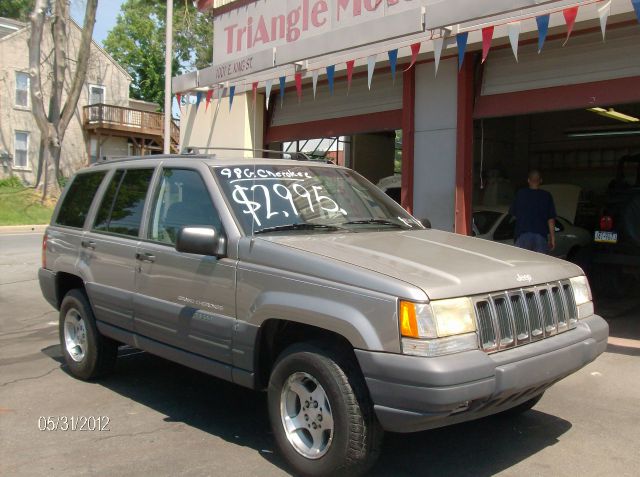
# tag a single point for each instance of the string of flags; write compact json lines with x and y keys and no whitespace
{"x":513,"y":28}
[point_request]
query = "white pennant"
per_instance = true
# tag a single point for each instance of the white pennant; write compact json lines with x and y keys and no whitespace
{"x":603,"y":13}
{"x":267,"y":91}
{"x":514,"y":36}
{"x":371,"y":65}
{"x":438,"y":43}
{"x":314,"y":79}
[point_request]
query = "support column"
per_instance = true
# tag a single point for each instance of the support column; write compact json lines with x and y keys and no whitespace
{"x":464,"y":148}
{"x":408,"y":134}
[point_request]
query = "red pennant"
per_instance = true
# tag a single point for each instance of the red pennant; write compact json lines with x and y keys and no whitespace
{"x":298,"y":79}
{"x":350,"y":64}
{"x":208,"y":99}
{"x":487,"y":36}
{"x":570,"y":15}
{"x":178,"y":98}
{"x":254,"y":88}
{"x":415,"y":49}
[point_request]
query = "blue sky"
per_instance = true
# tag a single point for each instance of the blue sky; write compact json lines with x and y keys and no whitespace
{"x":105,"y":17}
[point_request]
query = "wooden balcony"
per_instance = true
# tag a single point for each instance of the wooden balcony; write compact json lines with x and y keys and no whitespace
{"x":144,"y":128}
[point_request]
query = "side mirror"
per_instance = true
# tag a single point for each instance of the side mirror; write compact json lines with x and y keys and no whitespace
{"x":426,"y":223}
{"x":199,"y":240}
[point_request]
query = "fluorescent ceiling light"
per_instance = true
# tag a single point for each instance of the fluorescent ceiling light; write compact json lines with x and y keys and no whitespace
{"x":613,"y":114}
{"x":629,"y":132}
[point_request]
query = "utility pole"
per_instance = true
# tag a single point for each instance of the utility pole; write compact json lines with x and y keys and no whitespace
{"x":168,"y":56}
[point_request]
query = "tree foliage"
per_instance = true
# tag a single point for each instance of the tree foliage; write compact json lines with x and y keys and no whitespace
{"x":17,"y":9}
{"x":137,"y":42}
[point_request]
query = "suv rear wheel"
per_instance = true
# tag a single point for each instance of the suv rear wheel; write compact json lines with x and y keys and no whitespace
{"x":87,"y":353}
{"x":321,"y":413}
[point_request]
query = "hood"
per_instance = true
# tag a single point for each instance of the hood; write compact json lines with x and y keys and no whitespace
{"x":442,"y":264}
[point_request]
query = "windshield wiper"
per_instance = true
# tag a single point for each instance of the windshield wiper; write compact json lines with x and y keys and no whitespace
{"x":372,"y":221}
{"x":280,"y":228}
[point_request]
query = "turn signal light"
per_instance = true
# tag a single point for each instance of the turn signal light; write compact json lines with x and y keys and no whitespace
{"x":408,"y":321}
{"x":44,"y":250}
{"x":606,"y":223}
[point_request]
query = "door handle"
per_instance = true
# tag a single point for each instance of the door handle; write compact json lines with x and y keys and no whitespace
{"x":145,"y":257}
{"x":88,"y":244}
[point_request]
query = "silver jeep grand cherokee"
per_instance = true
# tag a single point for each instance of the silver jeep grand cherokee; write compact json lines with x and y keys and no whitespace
{"x":305,"y":280}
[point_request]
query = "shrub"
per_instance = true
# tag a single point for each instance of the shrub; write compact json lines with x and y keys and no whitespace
{"x":12,"y":182}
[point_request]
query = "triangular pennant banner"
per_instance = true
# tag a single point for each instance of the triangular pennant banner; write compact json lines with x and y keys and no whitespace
{"x":487,"y":36}
{"x":314,"y":80}
{"x":298,"y":79}
{"x":393,"y":61}
{"x":603,"y":12}
{"x":570,"y":15}
{"x":350,"y":64}
{"x":267,"y":91}
{"x":232,"y":91}
{"x":283,"y":80}
{"x":208,"y":99}
{"x":331,"y":71}
{"x":514,"y":37}
{"x":543,"y":27}
{"x":221,"y":89}
{"x":179,"y":99}
{"x":371,"y":66}
{"x":461,"y":40}
{"x":254,"y":88}
{"x":636,"y":7}
{"x":198,"y":99}
{"x":415,"y":49}
{"x":438,"y":43}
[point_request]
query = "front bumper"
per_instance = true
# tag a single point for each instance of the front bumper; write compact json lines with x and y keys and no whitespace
{"x":414,"y":393}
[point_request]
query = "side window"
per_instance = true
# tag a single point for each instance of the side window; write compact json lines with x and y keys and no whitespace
{"x":121,"y":209}
{"x":506,"y":230}
{"x":181,"y":199}
{"x":74,"y":208}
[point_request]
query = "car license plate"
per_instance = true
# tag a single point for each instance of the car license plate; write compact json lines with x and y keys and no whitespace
{"x":606,"y":237}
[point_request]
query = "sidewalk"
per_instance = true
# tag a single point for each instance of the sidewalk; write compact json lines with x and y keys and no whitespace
{"x":22,"y":229}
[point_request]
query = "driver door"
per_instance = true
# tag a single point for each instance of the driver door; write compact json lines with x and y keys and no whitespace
{"x":184,"y":300}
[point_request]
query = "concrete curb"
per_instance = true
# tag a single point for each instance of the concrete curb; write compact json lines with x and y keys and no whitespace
{"x":22,"y":229}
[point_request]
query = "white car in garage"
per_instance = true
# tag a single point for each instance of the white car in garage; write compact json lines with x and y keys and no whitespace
{"x":495,"y":223}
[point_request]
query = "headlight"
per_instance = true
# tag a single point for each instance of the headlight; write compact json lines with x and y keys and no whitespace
{"x":581,"y":290}
{"x":582,"y":296}
{"x":440,"y":327}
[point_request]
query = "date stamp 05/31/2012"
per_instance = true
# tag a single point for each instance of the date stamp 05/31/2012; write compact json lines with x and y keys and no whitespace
{"x":74,"y":423}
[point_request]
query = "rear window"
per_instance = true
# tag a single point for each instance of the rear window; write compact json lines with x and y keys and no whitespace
{"x":485,"y":220}
{"x":121,"y":209}
{"x":77,"y":200}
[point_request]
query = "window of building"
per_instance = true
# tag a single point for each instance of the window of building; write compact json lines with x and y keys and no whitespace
{"x":97,"y":94}
{"x":22,"y":89}
{"x":94,"y":150}
{"x":21,"y":150}
{"x":77,"y":200}
{"x":122,"y":205}
{"x":181,"y":200}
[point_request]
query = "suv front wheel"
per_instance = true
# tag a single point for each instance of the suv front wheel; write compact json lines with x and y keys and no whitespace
{"x":86,"y":352}
{"x":321,"y":413}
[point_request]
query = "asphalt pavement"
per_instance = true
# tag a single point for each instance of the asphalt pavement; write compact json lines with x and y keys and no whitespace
{"x":153,"y":417}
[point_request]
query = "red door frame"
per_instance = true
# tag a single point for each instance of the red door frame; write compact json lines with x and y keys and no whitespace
{"x":408,"y":137}
{"x":464,"y":147}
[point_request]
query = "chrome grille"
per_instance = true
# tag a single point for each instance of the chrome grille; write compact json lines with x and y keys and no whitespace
{"x":516,"y":317}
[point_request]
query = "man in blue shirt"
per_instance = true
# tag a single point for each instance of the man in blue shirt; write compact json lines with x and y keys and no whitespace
{"x":535,"y":215}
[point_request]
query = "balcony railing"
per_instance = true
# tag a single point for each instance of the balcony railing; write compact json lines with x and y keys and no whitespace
{"x":127,"y":120}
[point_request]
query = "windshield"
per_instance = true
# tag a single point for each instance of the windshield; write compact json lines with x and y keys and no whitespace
{"x":278,"y":198}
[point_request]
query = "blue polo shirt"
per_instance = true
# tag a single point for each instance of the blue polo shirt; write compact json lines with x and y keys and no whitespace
{"x":532,"y":209}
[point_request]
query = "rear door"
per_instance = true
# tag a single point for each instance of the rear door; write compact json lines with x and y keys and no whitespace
{"x":184,"y":300}
{"x":109,"y":248}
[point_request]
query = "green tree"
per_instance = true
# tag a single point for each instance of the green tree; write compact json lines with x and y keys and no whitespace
{"x":137,"y":43}
{"x":18,"y":9}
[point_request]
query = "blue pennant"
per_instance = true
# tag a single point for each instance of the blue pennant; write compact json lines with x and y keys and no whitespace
{"x":232,"y":91}
{"x":543,"y":28}
{"x":198,"y":99}
{"x":331,"y":70}
{"x":461,"y":40}
{"x":636,"y":7}
{"x":283,"y":80}
{"x":393,"y":61}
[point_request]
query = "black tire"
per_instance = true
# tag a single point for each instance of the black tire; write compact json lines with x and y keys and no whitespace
{"x":356,"y":436}
{"x":524,"y":407}
{"x":99,"y":355}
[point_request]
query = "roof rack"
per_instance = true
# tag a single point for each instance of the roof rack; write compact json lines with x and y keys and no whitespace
{"x":111,"y":159}
{"x":299,"y":156}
